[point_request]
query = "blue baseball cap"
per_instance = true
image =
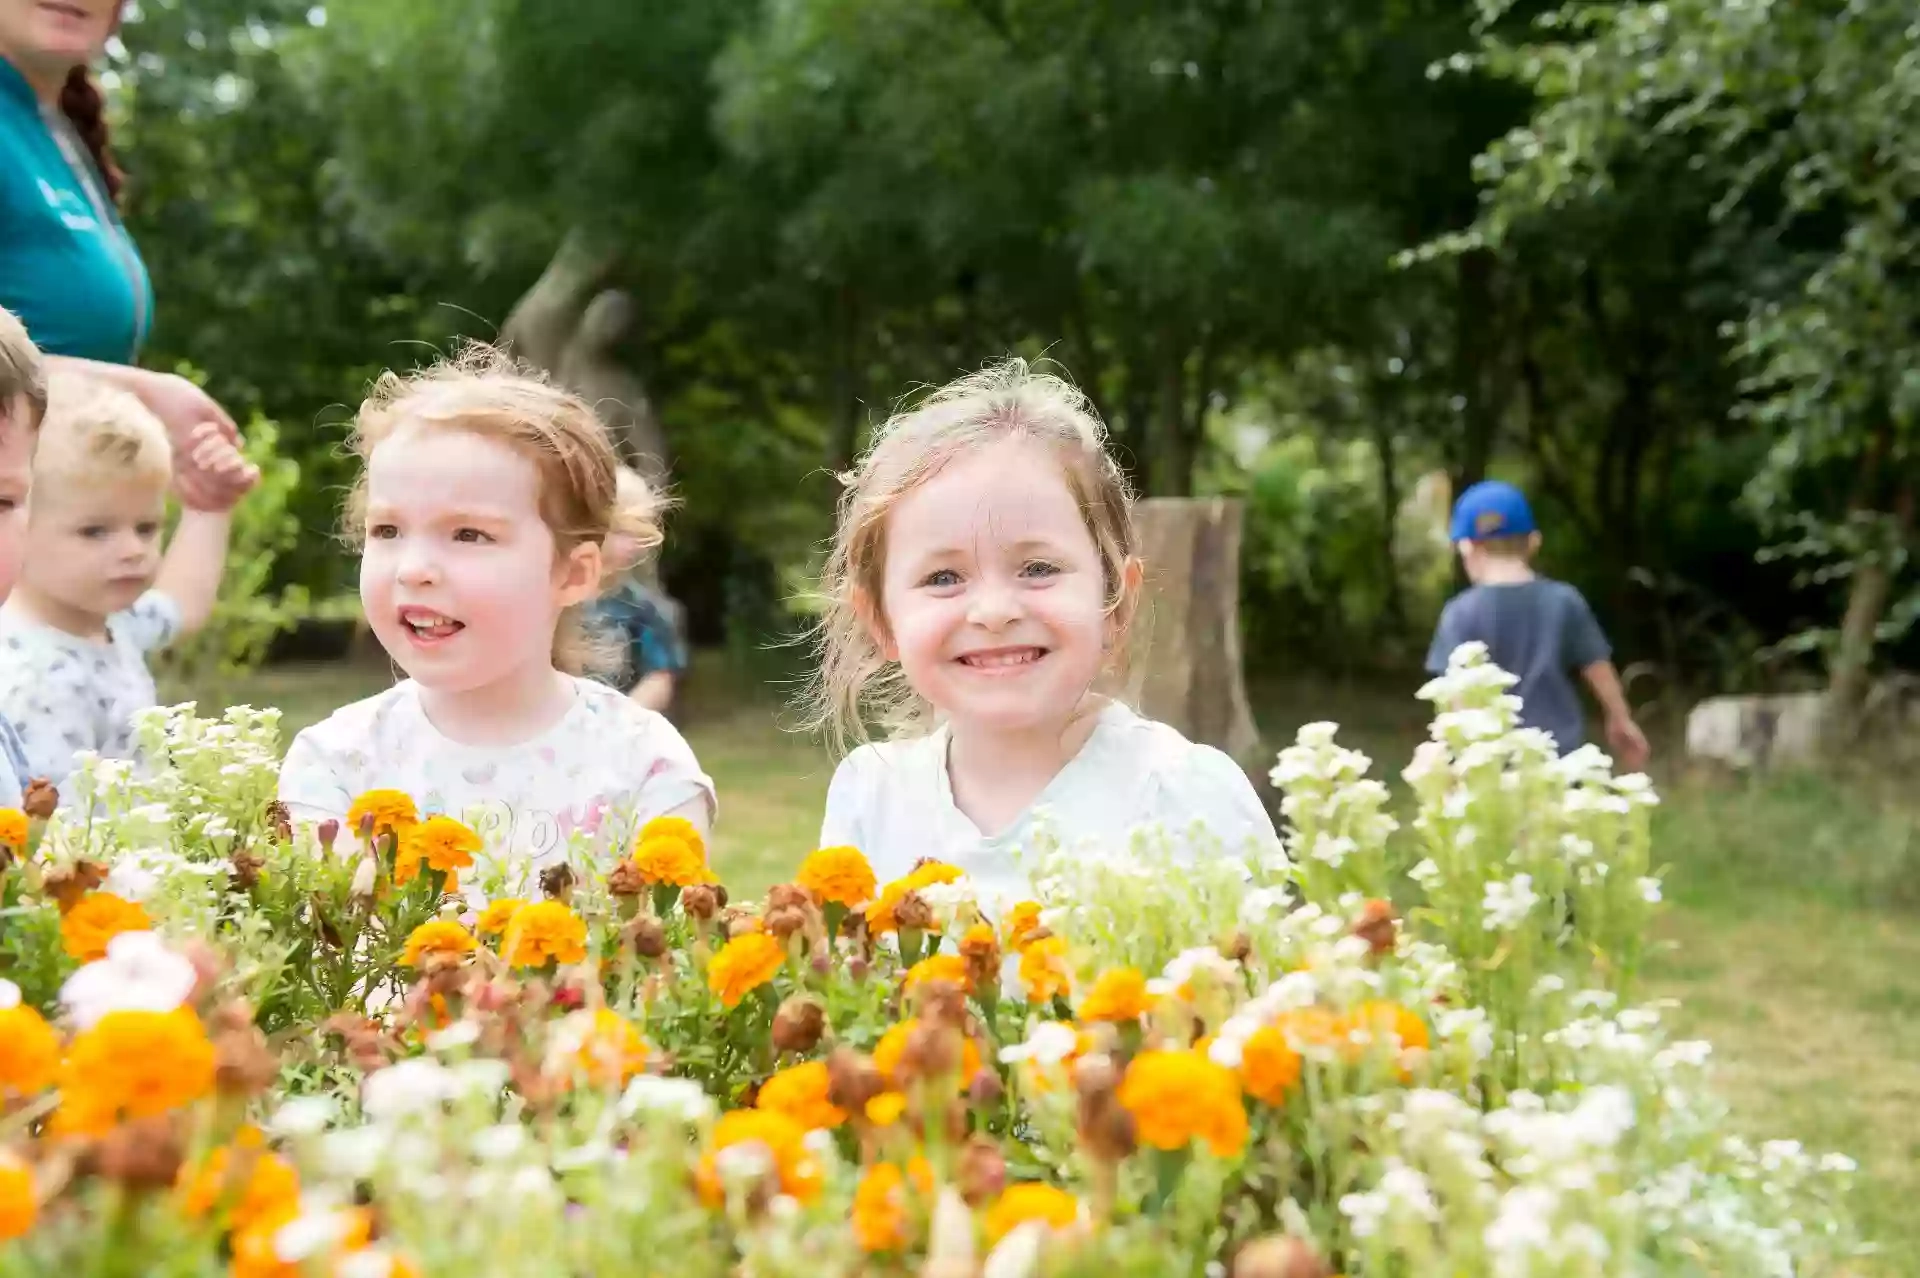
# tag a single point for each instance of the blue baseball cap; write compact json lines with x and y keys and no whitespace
{"x":1491,"y":508}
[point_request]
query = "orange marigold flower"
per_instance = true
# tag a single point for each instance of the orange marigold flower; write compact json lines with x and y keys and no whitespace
{"x":800,"y":1092}
{"x":97,"y":918}
{"x":671,"y":852}
{"x":940,"y":967}
{"x":391,"y":811}
{"x":880,"y":919}
{"x":1269,"y":1067}
{"x":743,"y":965}
{"x":613,"y":1050}
{"x":1313,"y":1029}
{"x":255,"y":1253}
{"x":840,"y":876}
{"x":979,"y":940}
{"x":1043,"y":969}
{"x":440,"y":936}
{"x":29,"y":1053}
{"x":133,"y":1065}
{"x":884,"y":1110}
{"x":441,"y":842}
{"x":1022,"y":921}
{"x":1019,"y":1204}
{"x":880,"y":1204}
{"x":1177,"y":1097}
{"x":498,"y":914}
{"x":893,"y":1045}
{"x":784,"y":1143}
{"x":270,"y":1190}
{"x":1119,"y":995}
{"x":1385,"y":1019}
{"x":542,"y":932}
{"x":13,"y":828}
{"x":18,"y":1205}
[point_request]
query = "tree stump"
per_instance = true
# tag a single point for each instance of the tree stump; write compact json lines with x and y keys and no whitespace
{"x":1186,"y":668}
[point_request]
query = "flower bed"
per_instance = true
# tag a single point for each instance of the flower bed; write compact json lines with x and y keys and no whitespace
{"x":231,"y":1046}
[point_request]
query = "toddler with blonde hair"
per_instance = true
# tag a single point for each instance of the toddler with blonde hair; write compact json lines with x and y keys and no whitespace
{"x":95,"y":594}
{"x":484,"y":502}
{"x":982,"y":582}
{"x":23,"y":402}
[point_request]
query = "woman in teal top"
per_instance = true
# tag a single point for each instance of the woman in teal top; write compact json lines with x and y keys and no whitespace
{"x":68,"y":268}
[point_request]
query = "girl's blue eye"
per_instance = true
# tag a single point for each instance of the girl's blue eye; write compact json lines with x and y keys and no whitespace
{"x":382,"y":532}
{"x":470,"y":535}
{"x":941,"y":578}
{"x":1041,"y":568}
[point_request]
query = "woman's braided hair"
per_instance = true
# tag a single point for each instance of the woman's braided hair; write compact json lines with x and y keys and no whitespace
{"x":86,"y":107}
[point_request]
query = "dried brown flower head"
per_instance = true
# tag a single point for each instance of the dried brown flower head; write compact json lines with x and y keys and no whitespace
{"x":40,"y":799}
{"x":799,"y":1024}
{"x":701,"y":901}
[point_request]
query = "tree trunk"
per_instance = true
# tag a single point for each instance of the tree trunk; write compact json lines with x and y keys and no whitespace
{"x":1386,"y":454}
{"x":1851,"y":673}
{"x":1186,"y":669}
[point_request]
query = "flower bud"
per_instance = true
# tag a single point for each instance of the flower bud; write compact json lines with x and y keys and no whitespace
{"x":246,"y":870}
{"x":40,"y":799}
{"x":647,"y":935}
{"x":982,"y":1173}
{"x":701,"y":901}
{"x":986,"y":1090}
{"x":626,"y":880}
{"x":785,"y":921}
{"x":365,"y":878}
{"x":852,"y":1080}
{"x":1279,"y":1256}
{"x":1237,"y":948}
{"x":1378,"y":928}
{"x":799,"y":1024}
{"x":328,"y":832}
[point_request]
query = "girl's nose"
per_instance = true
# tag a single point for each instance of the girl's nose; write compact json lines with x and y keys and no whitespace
{"x":994,"y":605}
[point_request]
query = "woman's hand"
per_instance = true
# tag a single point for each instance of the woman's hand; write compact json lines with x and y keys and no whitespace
{"x":184,"y":409}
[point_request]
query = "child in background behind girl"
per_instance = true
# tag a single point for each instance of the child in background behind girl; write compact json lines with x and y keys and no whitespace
{"x":981,"y":585}
{"x":485,"y":498}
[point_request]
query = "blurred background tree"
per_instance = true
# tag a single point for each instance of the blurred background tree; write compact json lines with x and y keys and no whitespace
{"x":1654,"y":261}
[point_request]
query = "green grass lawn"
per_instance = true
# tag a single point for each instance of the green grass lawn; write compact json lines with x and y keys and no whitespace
{"x":1792,"y":942}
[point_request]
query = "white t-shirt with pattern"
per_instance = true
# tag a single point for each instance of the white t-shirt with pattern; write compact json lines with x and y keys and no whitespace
{"x":606,"y":768}
{"x":894,"y":801}
{"x":66,"y":694}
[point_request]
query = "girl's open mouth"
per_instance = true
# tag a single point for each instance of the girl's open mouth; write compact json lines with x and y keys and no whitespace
{"x":1001,"y":658}
{"x":426,"y":625}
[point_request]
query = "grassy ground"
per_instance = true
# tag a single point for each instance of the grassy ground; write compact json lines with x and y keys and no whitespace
{"x":1792,"y":942}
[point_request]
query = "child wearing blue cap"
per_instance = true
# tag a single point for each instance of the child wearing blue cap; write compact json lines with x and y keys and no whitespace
{"x":1536,"y":628}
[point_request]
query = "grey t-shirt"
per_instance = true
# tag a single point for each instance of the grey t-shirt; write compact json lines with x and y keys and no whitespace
{"x":1539,"y":630}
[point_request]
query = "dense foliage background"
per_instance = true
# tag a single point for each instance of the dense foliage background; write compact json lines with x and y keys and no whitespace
{"x":1655,"y":261}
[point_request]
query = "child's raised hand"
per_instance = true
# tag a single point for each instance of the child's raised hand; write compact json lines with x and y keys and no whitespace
{"x":227,"y":475}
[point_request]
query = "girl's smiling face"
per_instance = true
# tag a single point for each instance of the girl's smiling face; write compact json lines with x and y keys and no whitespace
{"x":993,"y":592}
{"x":460,"y":576}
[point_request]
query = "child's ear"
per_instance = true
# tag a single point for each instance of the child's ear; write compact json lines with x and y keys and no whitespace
{"x":1133,"y":577}
{"x":1533,"y":544}
{"x":874,"y":621}
{"x":579,"y":575}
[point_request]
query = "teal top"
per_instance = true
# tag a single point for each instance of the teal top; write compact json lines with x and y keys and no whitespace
{"x":68,"y":268}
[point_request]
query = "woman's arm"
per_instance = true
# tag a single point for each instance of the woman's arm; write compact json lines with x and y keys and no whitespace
{"x":181,"y":407}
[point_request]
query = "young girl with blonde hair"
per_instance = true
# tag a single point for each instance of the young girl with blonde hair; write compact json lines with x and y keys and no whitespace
{"x":981,"y":586}
{"x":485,"y":499}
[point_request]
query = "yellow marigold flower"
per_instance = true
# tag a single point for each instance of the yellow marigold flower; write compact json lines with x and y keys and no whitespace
{"x":18,"y":1205}
{"x":1177,"y":1097}
{"x":255,"y":1185}
{"x":1119,"y":995}
{"x":542,"y":932}
{"x":391,"y":811}
{"x":880,"y":1204}
{"x":13,"y":828}
{"x":1269,"y":1067}
{"x":940,"y":967}
{"x":743,"y":965}
{"x":441,"y":842}
{"x":1043,"y":969}
{"x":133,"y":1065}
{"x":29,"y":1053}
{"x":784,"y":1142}
{"x":614,"y":1051}
{"x":840,"y":876}
{"x":1021,"y":922}
{"x":440,"y":936}
{"x":800,"y":1092}
{"x":880,"y":918}
{"x":885,"y":1109}
{"x":494,"y":919}
{"x":887,"y":1053}
{"x":1019,"y":1204}
{"x":671,"y":852}
{"x":97,"y":918}
{"x":979,"y":940}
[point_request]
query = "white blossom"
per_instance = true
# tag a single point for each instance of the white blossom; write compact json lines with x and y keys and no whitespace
{"x":139,"y":974}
